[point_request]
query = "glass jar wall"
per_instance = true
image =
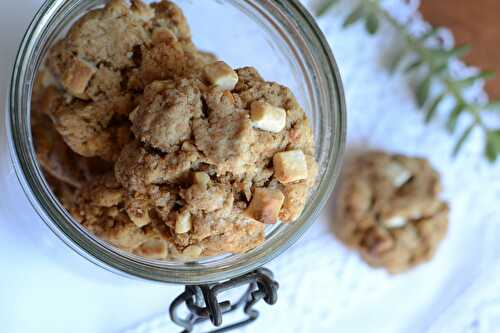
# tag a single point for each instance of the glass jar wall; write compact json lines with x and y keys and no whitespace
{"x":279,"y":38}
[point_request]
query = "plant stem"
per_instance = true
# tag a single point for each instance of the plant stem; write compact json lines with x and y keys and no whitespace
{"x":417,"y":46}
{"x":473,"y":109}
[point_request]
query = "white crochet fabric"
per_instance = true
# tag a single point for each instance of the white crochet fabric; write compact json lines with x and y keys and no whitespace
{"x":324,"y":287}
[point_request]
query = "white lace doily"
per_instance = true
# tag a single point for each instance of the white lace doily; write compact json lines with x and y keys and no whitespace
{"x":324,"y":287}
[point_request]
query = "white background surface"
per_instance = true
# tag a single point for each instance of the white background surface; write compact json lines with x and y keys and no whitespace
{"x":324,"y":288}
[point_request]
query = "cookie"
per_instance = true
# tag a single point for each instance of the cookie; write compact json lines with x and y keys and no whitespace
{"x":104,"y":63}
{"x":196,"y":140}
{"x":390,"y":212}
{"x":54,"y":155}
{"x":92,"y":129}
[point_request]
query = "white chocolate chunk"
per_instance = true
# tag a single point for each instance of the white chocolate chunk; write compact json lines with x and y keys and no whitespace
{"x":395,"y":222}
{"x":153,"y":249}
{"x":201,"y":178}
{"x":183,"y":223}
{"x":141,"y":10}
{"x":113,"y":212}
{"x":140,"y":220}
{"x":267,"y":117}
{"x":137,"y":209}
{"x":78,"y":76}
{"x":265,"y":205}
{"x":192,"y":251}
{"x":221,"y":75}
{"x":290,"y":166}
{"x":397,"y":174}
{"x":133,"y":114}
{"x":188,"y":146}
{"x":415,"y":214}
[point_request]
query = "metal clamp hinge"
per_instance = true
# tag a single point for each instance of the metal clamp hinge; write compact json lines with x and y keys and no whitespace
{"x":203,"y":305}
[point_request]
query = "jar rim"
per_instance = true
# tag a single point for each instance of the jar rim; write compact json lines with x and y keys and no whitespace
{"x":99,"y":252}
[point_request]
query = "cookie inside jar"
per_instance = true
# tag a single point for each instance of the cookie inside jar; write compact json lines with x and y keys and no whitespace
{"x":162,"y":149}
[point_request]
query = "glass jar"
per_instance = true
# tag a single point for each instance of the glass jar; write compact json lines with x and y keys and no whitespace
{"x":279,"y":38}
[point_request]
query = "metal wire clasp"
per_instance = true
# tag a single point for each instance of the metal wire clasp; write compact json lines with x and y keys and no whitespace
{"x":202,"y":302}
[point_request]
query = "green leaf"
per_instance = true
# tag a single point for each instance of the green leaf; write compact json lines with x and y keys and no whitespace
{"x":463,"y":138}
{"x":453,"y":119}
{"x":486,"y":75}
{"x":459,"y":51}
{"x":429,"y":34}
{"x":464,"y":83}
{"x":432,"y":110}
{"x":492,"y":149}
{"x":423,"y":90}
{"x":396,"y":60}
{"x":325,"y":7}
{"x":440,"y":69}
{"x":355,"y":16}
{"x":438,"y":61}
{"x":441,"y":55}
{"x":372,"y":23}
{"x":413,"y":66}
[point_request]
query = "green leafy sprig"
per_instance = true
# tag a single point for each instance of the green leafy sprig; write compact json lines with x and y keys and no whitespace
{"x":433,"y":61}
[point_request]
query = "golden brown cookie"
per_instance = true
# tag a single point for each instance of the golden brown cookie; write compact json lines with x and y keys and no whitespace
{"x":107,"y":58}
{"x":92,"y":129}
{"x":54,"y":155}
{"x":390,"y":212}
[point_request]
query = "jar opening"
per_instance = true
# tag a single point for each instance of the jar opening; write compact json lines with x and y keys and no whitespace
{"x":284,"y":28}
